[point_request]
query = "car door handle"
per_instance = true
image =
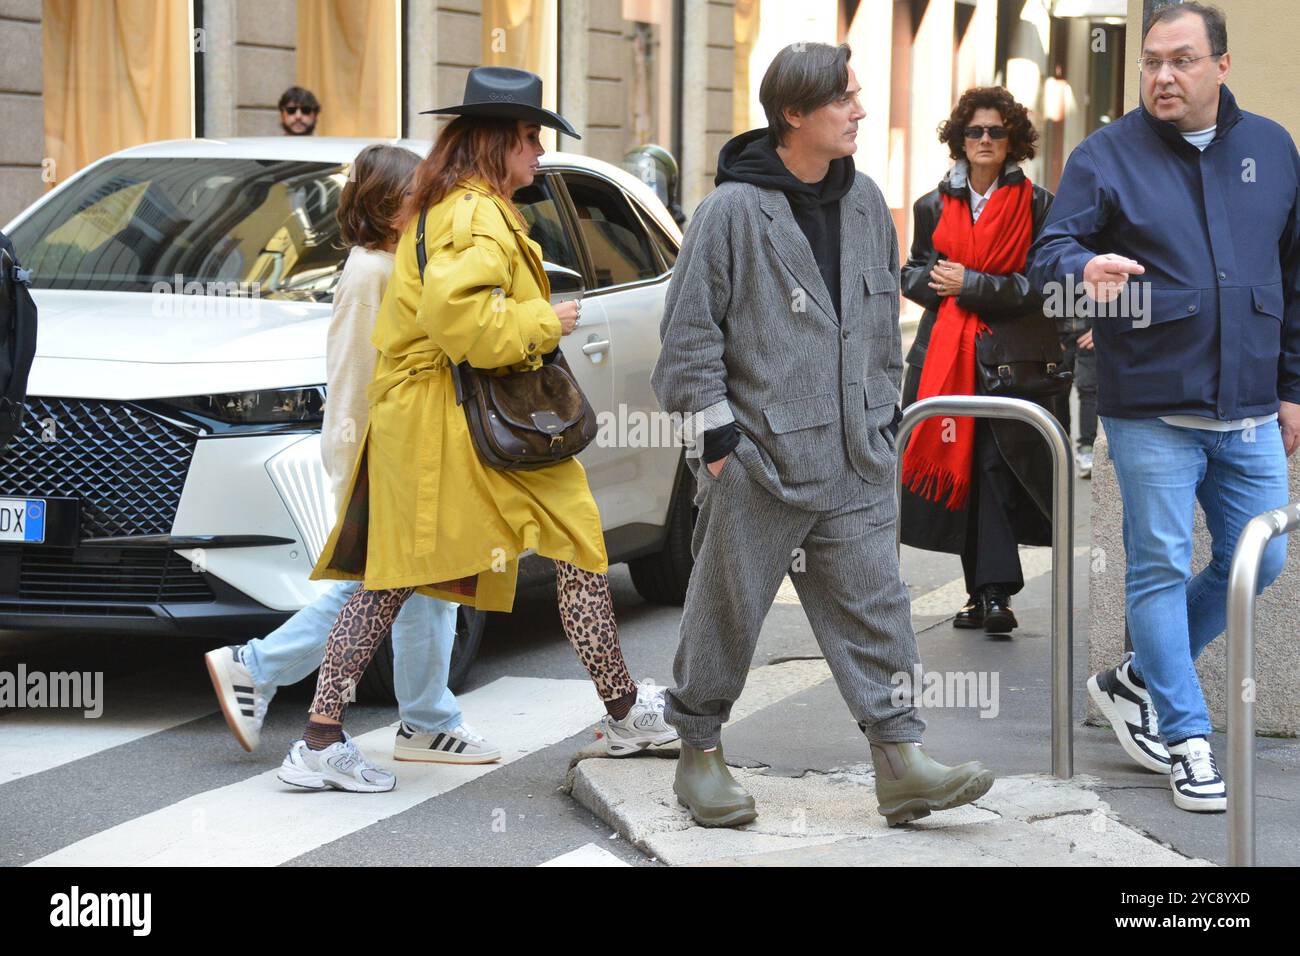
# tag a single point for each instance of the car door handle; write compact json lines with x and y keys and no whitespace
{"x":596,"y":347}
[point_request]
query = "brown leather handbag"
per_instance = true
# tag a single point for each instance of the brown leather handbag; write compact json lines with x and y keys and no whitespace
{"x":521,"y":421}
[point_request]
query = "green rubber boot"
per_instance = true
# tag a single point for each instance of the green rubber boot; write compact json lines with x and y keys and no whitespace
{"x":909,"y":784}
{"x":705,"y":787}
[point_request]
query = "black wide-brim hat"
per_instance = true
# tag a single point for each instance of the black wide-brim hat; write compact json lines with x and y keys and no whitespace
{"x":506,"y":92}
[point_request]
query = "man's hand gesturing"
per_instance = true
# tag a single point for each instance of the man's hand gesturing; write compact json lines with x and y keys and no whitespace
{"x":1104,"y":276}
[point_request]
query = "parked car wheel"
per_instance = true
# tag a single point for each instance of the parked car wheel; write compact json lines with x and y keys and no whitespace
{"x":377,"y":682}
{"x":662,"y":578}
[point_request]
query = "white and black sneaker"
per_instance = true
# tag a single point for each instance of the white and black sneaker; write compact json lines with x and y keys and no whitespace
{"x":241,"y":704}
{"x":643,"y":726}
{"x":1127,"y":705}
{"x":461,"y":745}
{"x":1194,"y":777}
{"x":339,"y":766}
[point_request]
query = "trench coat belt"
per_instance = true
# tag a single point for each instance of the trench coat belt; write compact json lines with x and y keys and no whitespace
{"x":382,"y":385}
{"x":427,"y":446}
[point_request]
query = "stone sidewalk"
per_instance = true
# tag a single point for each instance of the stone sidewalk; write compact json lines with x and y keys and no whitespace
{"x":830,"y":819}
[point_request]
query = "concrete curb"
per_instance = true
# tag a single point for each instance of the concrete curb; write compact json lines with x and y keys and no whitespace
{"x":830,"y":819}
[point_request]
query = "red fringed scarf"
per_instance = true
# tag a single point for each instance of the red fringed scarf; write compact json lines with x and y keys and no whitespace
{"x":938,"y":457}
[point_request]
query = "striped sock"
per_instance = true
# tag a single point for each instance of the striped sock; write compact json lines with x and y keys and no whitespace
{"x":319,"y":736}
{"x":619,"y":706}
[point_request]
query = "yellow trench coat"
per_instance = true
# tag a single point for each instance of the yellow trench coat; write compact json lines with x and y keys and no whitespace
{"x":421,"y":508}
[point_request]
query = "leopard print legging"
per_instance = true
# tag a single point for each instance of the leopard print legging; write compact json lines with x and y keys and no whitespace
{"x":586,"y":612}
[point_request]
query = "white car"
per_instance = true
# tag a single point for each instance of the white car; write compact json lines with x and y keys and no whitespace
{"x":173,"y":420}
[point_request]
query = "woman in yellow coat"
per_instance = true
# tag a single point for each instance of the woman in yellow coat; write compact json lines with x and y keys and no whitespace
{"x":422,"y":511}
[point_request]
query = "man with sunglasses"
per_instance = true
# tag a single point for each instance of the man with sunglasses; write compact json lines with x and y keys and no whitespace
{"x":1199,"y":384}
{"x":298,"y":111}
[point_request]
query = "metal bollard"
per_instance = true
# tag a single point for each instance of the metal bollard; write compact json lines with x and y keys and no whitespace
{"x":1243,"y":582}
{"x":984,"y":406}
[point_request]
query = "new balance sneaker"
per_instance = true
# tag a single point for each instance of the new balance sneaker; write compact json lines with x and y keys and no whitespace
{"x":461,"y":745}
{"x":1194,"y":777}
{"x":1127,"y":705}
{"x":643,"y":726}
{"x":339,"y":766}
{"x":241,"y":704}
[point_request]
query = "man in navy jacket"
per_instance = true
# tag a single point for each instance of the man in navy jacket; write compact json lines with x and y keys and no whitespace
{"x":1179,"y":225}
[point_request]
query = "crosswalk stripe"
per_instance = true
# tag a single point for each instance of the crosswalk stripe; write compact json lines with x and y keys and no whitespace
{"x":32,"y":741}
{"x":262,"y":822}
{"x":587,"y":855}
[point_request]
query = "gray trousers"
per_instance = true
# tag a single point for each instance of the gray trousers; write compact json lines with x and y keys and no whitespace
{"x":746,"y":540}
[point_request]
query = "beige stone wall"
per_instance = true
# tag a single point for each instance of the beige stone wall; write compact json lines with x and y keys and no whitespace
{"x":266,"y":35}
{"x":22,"y":116}
{"x":459,"y":49}
{"x":719,"y":46}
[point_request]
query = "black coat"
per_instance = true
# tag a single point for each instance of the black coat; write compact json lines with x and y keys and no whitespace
{"x":996,"y":299}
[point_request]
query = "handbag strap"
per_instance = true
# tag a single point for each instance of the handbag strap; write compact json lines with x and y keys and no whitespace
{"x":458,"y":377}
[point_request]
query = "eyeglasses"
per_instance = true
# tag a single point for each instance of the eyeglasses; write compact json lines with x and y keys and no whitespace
{"x":304,"y":110}
{"x":995,"y":132}
{"x":1151,"y":65}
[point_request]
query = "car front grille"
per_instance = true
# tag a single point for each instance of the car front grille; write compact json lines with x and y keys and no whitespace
{"x":125,"y":465}
{"x":104,"y":576}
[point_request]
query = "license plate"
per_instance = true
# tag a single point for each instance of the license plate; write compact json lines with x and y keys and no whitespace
{"x":22,"y":519}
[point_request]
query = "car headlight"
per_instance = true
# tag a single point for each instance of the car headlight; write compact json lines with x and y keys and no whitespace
{"x":278,"y":406}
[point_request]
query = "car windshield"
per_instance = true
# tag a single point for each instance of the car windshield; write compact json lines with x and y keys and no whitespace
{"x":246,"y":226}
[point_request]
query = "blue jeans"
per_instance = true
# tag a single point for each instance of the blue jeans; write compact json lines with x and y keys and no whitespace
{"x":422,"y":638}
{"x":1162,"y":471}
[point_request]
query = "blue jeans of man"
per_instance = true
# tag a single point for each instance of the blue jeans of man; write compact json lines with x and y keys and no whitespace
{"x":1163,"y":470}
{"x":423,"y":635}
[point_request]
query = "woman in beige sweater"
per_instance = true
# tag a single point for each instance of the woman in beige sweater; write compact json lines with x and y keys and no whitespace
{"x":246,"y":677}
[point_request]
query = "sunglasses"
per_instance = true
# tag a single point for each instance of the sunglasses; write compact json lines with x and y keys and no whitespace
{"x":304,"y":110}
{"x":995,"y":132}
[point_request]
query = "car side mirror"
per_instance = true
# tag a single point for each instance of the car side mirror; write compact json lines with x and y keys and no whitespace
{"x":565,"y":283}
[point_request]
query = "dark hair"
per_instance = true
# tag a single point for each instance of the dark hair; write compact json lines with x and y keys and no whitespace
{"x":371,"y":201}
{"x":297,"y":96}
{"x":1021,"y":133}
{"x":469,"y":147}
{"x":1216,"y":24}
{"x":802,"y":77}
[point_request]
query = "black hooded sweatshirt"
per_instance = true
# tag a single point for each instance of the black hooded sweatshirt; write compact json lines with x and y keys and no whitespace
{"x":751,"y":158}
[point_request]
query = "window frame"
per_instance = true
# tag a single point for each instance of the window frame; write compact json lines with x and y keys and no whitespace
{"x":568,"y":220}
{"x":589,"y":269}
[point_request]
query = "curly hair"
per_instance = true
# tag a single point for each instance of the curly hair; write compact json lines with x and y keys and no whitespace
{"x":1022,"y":135}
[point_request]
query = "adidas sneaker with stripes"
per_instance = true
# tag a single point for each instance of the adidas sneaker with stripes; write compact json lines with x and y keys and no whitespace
{"x":461,"y":745}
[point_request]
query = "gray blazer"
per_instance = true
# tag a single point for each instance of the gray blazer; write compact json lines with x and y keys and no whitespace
{"x":749,"y":334}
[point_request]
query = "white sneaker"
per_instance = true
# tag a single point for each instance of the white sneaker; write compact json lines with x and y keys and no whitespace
{"x":1083,"y":461}
{"x":339,"y":765}
{"x":1194,"y":777}
{"x":643,"y":726}
{"x":1127,"y":705}
{"x":461,"y":745}
{"x":241,"y":704}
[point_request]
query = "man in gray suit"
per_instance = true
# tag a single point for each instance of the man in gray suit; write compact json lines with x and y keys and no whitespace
{"x":782,"y":352}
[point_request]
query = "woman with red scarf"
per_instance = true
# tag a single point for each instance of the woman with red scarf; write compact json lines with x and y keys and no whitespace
{"x":978,"y":488}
